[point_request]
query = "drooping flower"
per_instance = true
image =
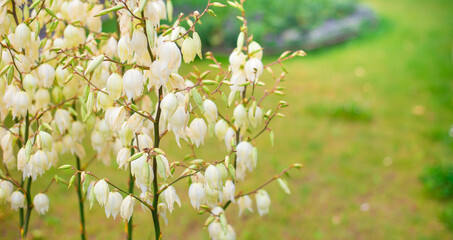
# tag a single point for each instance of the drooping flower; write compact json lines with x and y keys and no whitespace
{"x":244,"y":203}
{"x":114,"y":203}
{"x":17,"y":200}
{"x":41,"y":203}
{"x":133,"y":83}
{"x":196,"y":195}
{"x":262,"y":202}
{"x":127,"y":208}
{"x":197,"y":131}
{"x":101,"y":192}
{"x":170,"y":197}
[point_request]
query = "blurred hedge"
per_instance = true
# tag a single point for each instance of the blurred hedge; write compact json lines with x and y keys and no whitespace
{"x":267,"y":18}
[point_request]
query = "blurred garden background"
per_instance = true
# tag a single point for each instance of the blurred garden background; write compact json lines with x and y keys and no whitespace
{"x":369,"y":118}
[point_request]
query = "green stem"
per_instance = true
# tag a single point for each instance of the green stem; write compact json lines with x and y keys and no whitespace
{"x":25,"y":222}
{"x":155,"y":185}
{"x":131,"y":190}
{"x":81,"y":206}
{"x":29,"y":208}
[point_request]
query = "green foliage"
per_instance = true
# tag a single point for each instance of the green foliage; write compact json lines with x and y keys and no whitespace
{"x":438,"y":180}
{"x":267,"y":18}
{"x":446,"y":217}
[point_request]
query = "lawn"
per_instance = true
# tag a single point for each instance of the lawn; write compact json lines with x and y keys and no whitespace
{"x":365,"y":118}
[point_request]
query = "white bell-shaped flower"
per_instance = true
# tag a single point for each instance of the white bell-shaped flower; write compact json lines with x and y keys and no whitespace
{"x":197,"y":131}
{"x":41,"y":203}
{"x":127,"y":208}
{"x":169,"y":53}
{"x":73,"y":36}
{"x":197,"y":195}
{"x":21,"y":104}
{"x":8,"y":187}
{"x":229,"y":191}
{"x":236,"y":59}
{"x":22,"y":35}
{"x":244,"y":203}
{"x":178,"y":123}
{"x":17,"y":200}
{"x":115,"y":117}
{"x":170,"y":197}
{"x":133,"y":83}
{"x":114,"y":203}
{"x":263,"y":202}
{"x":253,"y":69}
{"x":189,"y":50}
{"x":213,"y":177}
{"x":256,"y":117}
{"x":240,"y":116}
{"x":115,"y":86}
{"x":138,"y":42}
{"x":210,"y":110}
{"x":169,"y":104}
{"x":101,"y":192}
{"x":62,"y":119}
{"x":255,"y":50}
{"x":230,"y":138}
{"x":121,"y":158}
{"x":124,"y":48}
{"x":221,"y":128}
{"x":142,"y":171}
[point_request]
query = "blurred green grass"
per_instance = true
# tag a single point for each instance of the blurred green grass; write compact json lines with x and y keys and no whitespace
{"x":400,"y":76}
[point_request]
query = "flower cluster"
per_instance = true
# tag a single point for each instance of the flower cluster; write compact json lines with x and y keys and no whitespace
{"x":67,"y":87}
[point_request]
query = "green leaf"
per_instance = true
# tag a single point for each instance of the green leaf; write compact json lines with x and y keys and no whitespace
{"x":109,"y":10}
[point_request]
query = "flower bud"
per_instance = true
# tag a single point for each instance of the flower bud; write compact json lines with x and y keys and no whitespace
{"x":41,"y":203}
{"x":198,"y":131}
{"x":22,"y":35}
{"x":244,"y":203}
{"x":262,"y":202}
{"x":240,"y":116}
{"x":133,"y":83}
{"x":210,"y":110}
{"x":61,"y":75}
{"x":21,"y":160}
{"x":170,"y":197}
{"x":46,"y":74}
{"x":115,"y":86}
{"x":101,"y":192}
{"x":197,"y":195}
{"x":17,"y":200}
{"x":163,"y":168}
{"x":127,"y":207}
{"x":114,"y":203}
